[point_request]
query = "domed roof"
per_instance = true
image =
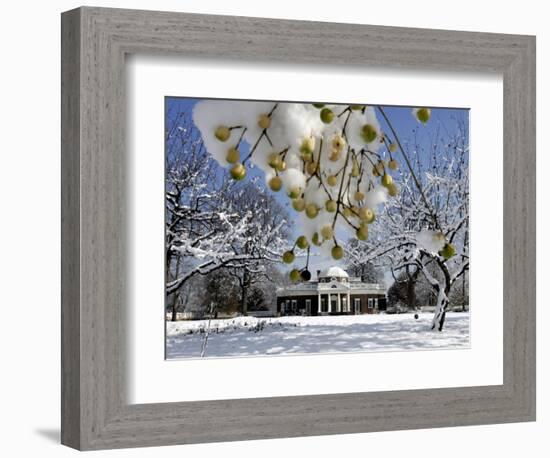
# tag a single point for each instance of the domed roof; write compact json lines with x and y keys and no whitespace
{"x":334,"y":271}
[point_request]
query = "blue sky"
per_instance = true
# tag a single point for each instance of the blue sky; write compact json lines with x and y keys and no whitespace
{"x":443,"y":123}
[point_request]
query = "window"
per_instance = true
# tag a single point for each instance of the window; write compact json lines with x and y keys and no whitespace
{"x":376,"y":303}
{"x":324,"y":307}
{"x":294,"y":305}
{"x":308,"y":306}
{"x":357,"y":304}
{"x":370,"y":303}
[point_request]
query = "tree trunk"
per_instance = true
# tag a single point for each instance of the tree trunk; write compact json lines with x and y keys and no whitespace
{"x":463,"y":293}
{"x":442,"y":297}
{"x":205,"y":340}
{"x":441,"y":306}
{"x":411,"y":289}
{"x":440,"y":310}
{"x":244,"y":291}
{"x":411,"y":293}
{"x":411,"y":299}
{"x":176,"y":294}
{"x":464,"y":278}
{"x":175,"y":309}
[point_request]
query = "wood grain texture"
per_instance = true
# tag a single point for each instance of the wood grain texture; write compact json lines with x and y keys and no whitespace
{"x":95,"y":412}
{"x":70,"y":229}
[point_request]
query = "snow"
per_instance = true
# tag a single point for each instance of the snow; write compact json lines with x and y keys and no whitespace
{"x":432,"y":241}
{"x":378,"y":195}
{"x":335,"y":271}
{"x":293,"y":178}
{"x":242,"y":336}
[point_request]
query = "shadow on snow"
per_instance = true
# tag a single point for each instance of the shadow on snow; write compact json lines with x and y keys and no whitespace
{"x":401,"y":333}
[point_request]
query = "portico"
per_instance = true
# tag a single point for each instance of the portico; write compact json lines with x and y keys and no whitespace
{"x":333,"y":302}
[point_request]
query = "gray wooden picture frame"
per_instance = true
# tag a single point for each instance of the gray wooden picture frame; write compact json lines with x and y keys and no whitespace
{"x":95,"y":412}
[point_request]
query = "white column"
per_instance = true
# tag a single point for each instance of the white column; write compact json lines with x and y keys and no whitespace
{"x":339,"y":306}
{"x":348,"y":302}
{"x":329,"y":297}
{"x":318,"y":303}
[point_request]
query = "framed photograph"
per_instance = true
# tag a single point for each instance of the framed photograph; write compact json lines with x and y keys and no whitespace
{"x":267,"y":228}
{"x":290,"y":228}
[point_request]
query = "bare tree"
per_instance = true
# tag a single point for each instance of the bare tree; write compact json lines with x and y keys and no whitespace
{"x":432,"y":206}
{"x":221,"y":293}
{"x":270,"y":229}
{"x":403,"y":289}
{"x":357,"y":268}
{"x":213,"y":222}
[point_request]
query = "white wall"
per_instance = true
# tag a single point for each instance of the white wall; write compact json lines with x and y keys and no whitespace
{"x":29,"y":191}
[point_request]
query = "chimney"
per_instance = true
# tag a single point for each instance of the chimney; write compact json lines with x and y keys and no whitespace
{"x":318,"y":274}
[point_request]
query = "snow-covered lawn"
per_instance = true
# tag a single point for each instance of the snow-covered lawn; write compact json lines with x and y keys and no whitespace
{"x":248,"y":336}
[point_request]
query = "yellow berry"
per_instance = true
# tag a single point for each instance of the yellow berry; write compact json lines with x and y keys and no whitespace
{"x":311,"y":167}
{"x":274,"y":160}
{"x":306,"y":157}
{"x":369,"y":133}
{"x":363,"y":232}
{"x":393,"y":164}
{"x":448,"y":251}
{"x":233,"y":155}
{"x":288,"y":257}
{"x":298,"y":204}
{"x":392,"y":190}
{"x":308,"y":145}
{"x":275,"y":183}
{"x":327,"y":232}
{"x":366,"y":215}
{"x":295,"y":275}
{"x":295,"y":192}
{"x":331,"y":206}
{"x":222,"y":133}
{"x":327,"y":115}
{"x":423,"y":115}
{"x":316,"y":239}
{"x":281,"y":166}
{"x":386,"y":180}
{"x":393,"y":147}
{"x":359,"y":196}
{"x":264,"y":121}
{"x":238,"y":172}
{"x":332,"y":180}
{"x":302,"y":242}
{"x":337,"y":252}
{"x":311,"y":210}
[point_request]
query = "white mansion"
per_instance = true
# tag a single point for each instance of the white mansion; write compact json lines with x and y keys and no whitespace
{"x":333,"y":293}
